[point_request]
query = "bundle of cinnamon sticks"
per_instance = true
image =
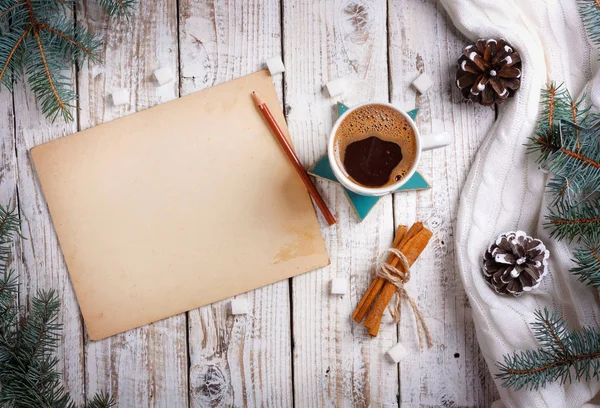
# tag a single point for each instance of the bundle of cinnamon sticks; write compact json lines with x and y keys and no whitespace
{"x":373,"y":304}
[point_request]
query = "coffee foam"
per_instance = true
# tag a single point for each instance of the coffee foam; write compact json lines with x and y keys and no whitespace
{"x":385,"y":123}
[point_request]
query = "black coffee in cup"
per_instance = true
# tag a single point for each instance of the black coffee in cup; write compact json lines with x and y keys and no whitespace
{"x":375,"y":146}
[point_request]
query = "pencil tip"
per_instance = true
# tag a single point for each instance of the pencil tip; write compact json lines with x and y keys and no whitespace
{"x":256,"y":98}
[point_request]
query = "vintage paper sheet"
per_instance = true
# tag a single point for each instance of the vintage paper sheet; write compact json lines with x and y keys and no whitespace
{"x":178,"y":206}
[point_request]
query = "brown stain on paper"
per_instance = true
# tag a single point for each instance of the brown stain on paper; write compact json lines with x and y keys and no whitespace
{"x":302,"y":245}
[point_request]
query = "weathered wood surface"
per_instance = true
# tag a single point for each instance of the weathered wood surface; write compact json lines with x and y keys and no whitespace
{"x":41,"y":262}
{"x":336,"y":362}
{"x":242,"y":360}
{"x":298,"y":346}
{"x":460,"y":377}
{"x":144,"y":367}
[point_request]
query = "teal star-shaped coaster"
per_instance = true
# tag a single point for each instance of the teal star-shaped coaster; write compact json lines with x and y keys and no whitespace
{"x":364,"y":204}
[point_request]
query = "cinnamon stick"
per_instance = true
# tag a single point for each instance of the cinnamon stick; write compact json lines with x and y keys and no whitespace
{"x":414,"y":230}
{"x":374,"y":331}
{"x":365,"y":303}
{"x":411,"y":249}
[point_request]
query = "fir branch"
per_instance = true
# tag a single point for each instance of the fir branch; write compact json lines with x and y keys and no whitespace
{"x":117,"y":7}
{"x":587,"y":259}
{"x":8,"y":49}
{"x":550,"y":332}
{"x":47,"y":81}
{"x":575,"y":167}
{"x":29,"y":377}
{"x":587,"y":161}
{"x":8,"y":315}
{"x":552,"y":102}
{"x":44,"y":43}
{"x":9,"y":8}
{"x":561,"y":353}
{"x":545,"y":135}
{"x":76,"y":42}
{"x":590,"y":15}
{"x":47,"y":68}
{"x":568,"y":222}
{"x":28,"y":367}
{"x":572,"y":191}
{"x":557,"y":105}
{"x":9,"y":223}
{"x":575,"y":118}
{"x":9,"y":227}
{"x":568,"y":141}
{"x":15,"y":12}
{"x":101,"y":400}
{"x":575,"y":181}
{"x":41,"y":331}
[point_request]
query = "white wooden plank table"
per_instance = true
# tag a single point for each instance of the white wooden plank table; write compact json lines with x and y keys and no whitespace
{"x":298,"y":346}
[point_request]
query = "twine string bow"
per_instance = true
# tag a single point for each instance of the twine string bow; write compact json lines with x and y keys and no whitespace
{"x":399,"y":278}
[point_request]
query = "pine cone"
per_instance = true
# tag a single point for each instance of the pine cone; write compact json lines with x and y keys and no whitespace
{"x":515,"y":263}
{"x":489,"y":72}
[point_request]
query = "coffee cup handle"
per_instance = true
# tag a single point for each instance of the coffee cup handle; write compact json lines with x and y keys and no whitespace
{"x":435,"y":140}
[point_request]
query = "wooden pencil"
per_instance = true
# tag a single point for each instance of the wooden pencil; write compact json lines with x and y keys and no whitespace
{"x":289,"y":151}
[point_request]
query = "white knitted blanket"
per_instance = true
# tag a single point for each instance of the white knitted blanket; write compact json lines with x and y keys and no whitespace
{"x":505,"y":189}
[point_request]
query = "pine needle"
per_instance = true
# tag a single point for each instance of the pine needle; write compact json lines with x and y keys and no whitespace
{"x":8,"y":49}
{"x":567,"y":139}
{"x":28,"y":365}
{"x":590,"y":15}
{"x":587,"y":259}
{"x":569,"y":223}
{"x":562,"y":353}
{"x":9,"y":8}
{"x":101,"y":400}
{"x":117,"y":7}
{"x":43,"y":43}
{"x":9,"y":227}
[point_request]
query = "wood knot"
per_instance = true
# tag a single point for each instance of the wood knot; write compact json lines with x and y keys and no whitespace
{"x":358,"y":17}
{"x":213,"y":386}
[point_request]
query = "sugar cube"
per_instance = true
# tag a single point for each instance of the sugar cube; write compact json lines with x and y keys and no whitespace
{"x":239,"y":307}
{"x":339,"y":286}
{"x":423,"y":83}
{"x":120,"y":96}
{"x":163,"y":75}
{"x":336,"y":87}
{"x":397,"y":353}
{"x":436,"y":140}
{"x":275,"y":65}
